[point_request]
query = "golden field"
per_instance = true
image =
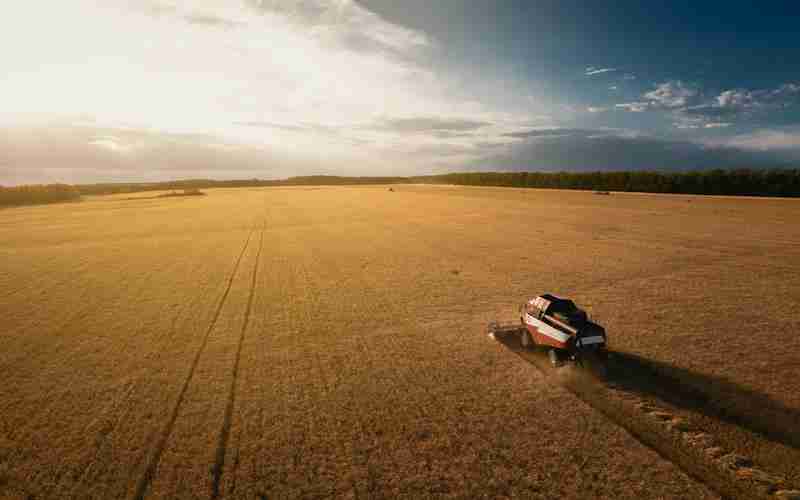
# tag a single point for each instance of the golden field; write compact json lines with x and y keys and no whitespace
{"x":330,"y":341}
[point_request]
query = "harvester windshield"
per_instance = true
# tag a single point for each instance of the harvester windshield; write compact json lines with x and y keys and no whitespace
{"x":566,"y":310}
{"x":562,"y":306}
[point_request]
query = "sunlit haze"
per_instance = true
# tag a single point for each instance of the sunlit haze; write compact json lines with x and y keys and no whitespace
{"x":152,"y":90}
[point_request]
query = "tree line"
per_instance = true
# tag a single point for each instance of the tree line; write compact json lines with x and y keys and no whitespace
{"x":309,"y":180}
{"x":38,"y":194}
{"x":741,"y":182}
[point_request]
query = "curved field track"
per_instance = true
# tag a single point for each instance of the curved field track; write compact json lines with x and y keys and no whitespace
{"x":329,"y":342}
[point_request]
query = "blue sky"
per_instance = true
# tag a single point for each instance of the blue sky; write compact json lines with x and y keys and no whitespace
{"x":161,"y":89}
{"x":676,"y":70}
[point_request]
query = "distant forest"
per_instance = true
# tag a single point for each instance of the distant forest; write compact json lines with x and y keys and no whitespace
{"x":743,"y":182}
{"x":785,"y":182}
{"x":311,"y":180}
{"x":38,"y":194}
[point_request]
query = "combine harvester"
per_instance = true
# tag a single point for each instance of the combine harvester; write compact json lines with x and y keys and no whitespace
{"x":559,"y":326}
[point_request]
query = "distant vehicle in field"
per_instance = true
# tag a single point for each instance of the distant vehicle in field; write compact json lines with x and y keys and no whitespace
{"x":558,"y":325}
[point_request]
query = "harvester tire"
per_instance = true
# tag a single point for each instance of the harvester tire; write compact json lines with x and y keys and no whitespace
{"x":525,"y":339}
{"x":555,"y":360}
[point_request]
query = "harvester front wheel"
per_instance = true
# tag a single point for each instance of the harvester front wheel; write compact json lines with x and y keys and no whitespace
{"x":525,"y":339}
{"x":555,"y":359}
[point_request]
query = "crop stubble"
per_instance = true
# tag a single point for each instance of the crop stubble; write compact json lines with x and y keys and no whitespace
{"x":347,"y":356}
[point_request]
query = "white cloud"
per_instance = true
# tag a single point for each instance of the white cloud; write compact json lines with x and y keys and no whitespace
{"x":686,"y":105}
{"x":734,"y":98}
{"x":684,"y":121}
{"x":597,"y":71}
{"x":324,"y":70}
{"x":633,"y":107}
{"x":112,"y":144}
{"x":672,"y":94}
{"x":743,"y":103}
{"x":597,"y":109}
{"x":600,"y":150}
{"x":612,"y":87}
{"x":343,"y":21}
{"x":767,"y":139}
{"x":82,"y":154}
{"x":743,"y":99}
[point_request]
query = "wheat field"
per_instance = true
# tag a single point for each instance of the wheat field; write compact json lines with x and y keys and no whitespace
{"x":323,"y":342}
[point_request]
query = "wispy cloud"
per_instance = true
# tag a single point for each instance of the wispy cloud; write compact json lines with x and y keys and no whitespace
{"x":265,"y":124}
{"x":304,"y":79}
{"x":766,"y":140}
{"x":305,"y":128}
{"x":544,"y":132}
{"x":591,"y":70}
{"x":553,"y":132}
{"x":429,"y":124}
{"x":633,"y":107}
{"x":92,"y":154}
{"x":211,"y":20}
{"x":153,"y":7}
{"x":345,"y":22}
{"x":589,"y":150}
{"x":717,"y":125}
{"x":113,"y":144}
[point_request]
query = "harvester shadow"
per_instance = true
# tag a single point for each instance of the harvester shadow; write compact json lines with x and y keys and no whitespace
{"x":709,"y":395}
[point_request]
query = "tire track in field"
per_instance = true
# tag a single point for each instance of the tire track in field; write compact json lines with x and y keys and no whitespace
{"x":222,"y":444}
{"x":91,"y":471}
{"x":648,"y":432}
{"x":147,"y":477}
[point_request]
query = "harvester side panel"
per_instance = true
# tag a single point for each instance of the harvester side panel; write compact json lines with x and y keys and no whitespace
{"x":545,"y":334}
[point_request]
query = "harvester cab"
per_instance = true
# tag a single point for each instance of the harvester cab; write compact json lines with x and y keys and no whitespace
{"x":559,"y":326}
{"x":562,"y":327}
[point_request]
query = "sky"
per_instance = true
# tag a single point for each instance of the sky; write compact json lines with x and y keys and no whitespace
{"x":145,"y":90}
